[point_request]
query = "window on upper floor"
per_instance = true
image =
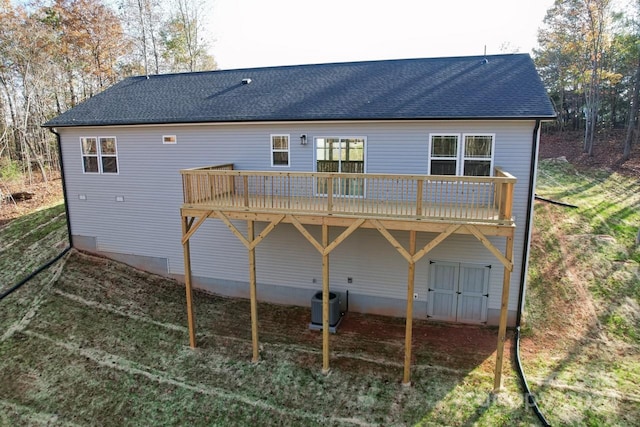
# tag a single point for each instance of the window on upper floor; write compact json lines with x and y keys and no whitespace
{"x":99,"y":154}
{"x":280,"y":150}
{"x":472,"y":157}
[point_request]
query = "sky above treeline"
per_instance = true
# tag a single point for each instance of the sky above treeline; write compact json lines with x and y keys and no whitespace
{"x":256,"y":33}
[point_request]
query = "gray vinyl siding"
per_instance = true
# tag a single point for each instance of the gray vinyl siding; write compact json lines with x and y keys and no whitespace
{"x":147,"y":223}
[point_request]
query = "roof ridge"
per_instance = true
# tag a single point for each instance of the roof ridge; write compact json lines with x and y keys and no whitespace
{"x":325,"y":64}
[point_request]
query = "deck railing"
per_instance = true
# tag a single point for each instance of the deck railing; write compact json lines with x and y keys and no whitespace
{"x":429,"y":197}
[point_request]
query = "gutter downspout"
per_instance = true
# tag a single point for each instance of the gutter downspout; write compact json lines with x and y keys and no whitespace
{"x":531,"y":401}
{"x":69,"y":246}
{"x":528,"y":226}
{"x":64,"y":185}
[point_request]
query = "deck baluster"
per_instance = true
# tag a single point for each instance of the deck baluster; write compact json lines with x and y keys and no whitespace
{"x":410,"y":197}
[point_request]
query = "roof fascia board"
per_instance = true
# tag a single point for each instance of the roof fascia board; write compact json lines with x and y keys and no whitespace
{"x":327,"y":121}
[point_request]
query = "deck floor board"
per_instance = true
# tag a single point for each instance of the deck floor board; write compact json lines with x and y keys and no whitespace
{"x":353,"y":207}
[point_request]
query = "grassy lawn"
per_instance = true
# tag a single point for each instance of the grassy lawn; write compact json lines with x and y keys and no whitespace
{"x":94,"y":342}
{"x":582,"y":351}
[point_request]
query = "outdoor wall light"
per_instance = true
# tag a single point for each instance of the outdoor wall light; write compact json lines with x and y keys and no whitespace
{"x":303,"y":139}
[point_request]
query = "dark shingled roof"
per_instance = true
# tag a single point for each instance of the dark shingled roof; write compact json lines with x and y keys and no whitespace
{"x":476,"y":87}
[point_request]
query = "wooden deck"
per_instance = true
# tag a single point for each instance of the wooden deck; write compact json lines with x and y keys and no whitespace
{"x":479,"y":206}
{"x":482,"y":201}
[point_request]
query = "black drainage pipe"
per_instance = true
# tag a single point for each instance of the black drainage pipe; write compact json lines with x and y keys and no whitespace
{"x":69,"y":236}
{"x":531,"y":401}
{"x":556,"y":202}
{"x":35,"y":273}
{"x":64,"y":185}
{"x":530,"y":398}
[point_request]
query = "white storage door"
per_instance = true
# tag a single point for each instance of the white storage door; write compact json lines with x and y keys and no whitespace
{"x":458,"y":292}
{"x":443,"y":287}
{"x":473,"y":293}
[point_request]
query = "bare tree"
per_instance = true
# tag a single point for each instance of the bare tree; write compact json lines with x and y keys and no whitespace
{"x":52,"y":55}
{"x":596,"y":13}
{"x":142,"y":20}
{"x":56,"y":53}
{"x":633,"y":41}
{"x":185,"y":47}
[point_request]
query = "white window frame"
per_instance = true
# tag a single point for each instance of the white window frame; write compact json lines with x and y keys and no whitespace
{"x":273,"y":150}
{"x":84,"y":155}
{"x":99,"y":155}
{"x":460,"y":157}
{"x":490,"y":159}
{"x":456,"y":158}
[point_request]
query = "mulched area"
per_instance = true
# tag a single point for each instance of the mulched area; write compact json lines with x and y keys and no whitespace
{"x":44,"y":194}
{"x":607,"y":151}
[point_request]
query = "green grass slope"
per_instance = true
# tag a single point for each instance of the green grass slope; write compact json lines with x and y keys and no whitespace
{"x":582,"y":319}
{"x":94,"y":342}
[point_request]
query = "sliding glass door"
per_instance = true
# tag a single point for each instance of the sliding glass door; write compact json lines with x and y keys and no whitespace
{"x":340,"y":155}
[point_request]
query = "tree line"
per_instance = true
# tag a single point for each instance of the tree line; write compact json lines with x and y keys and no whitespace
{"x":589,"y":59}
{"x":57,"y":53}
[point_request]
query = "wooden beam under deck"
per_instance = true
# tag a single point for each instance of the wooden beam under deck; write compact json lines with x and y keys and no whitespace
{"x":389,"y":223}
{"x":186,"y":226}
{"x":351,"y":223}
{"x":408,"y":333}
{"x":325,"y":301}
{"x":252,"y":291}
{"x":502,"y":328}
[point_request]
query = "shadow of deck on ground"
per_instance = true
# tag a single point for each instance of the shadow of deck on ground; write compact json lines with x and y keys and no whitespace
{"x":111,"y":331}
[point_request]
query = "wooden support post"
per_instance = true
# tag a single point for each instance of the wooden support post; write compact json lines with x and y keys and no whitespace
{"x":325,"y":301}
{"x":502,"y":328}
{"x":408,"y":334}
{"x":252,"y":291}
{"x":187,"y":281}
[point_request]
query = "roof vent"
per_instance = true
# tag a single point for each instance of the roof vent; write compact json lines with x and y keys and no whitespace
{"x":485,"y":61}
{"x":246,"y":81}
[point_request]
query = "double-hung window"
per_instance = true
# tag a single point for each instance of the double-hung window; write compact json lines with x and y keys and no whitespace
{"x":477,"y":155}
{"x":444,"y":155}
{"x":466,"y":154}
{"x":280,"y":150}
{"x":99,"y":154}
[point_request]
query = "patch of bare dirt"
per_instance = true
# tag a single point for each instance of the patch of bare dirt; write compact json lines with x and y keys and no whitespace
{"x":607,"y":151}
{"x":43,"y":194}
{"x":362,"y":340}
